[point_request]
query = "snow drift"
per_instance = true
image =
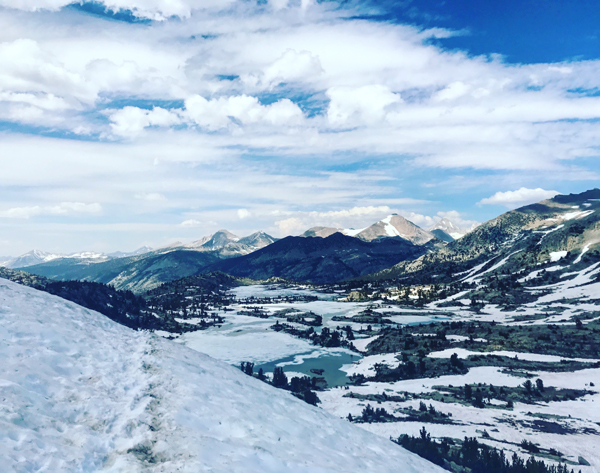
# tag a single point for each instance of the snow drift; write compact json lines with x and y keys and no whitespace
{"x":79,"y":393}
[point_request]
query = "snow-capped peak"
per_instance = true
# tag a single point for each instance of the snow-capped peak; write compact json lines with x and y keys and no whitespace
{"x":395,"y":225}
{"x":31,"y":258}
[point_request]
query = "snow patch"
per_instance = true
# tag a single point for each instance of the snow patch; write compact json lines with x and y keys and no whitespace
{"x":557,"y":255}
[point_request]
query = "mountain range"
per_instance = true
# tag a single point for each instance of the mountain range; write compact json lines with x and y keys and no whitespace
{"x":394,"y":226}
{"x":393,"y":248}
{"x":315,"y":261}
{"x":555,"y":234}
{"x":35,"y":257}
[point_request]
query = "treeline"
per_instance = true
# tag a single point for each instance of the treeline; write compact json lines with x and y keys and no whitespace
{"x":301,"y":387}
{"x":123,"y":307}
{"x":325,"y":338}
{"x":473,"y":456}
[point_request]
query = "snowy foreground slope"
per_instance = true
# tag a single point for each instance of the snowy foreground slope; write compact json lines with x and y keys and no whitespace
{"x":80,"y":393}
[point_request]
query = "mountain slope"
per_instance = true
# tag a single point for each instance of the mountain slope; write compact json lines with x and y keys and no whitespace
{"x":565,"y":226}
{"x":136,"y":273}
{"x":215,"y":241}
{"x":320,"y":260}
{"x":81,"y":393}
{"x":442,"y":235}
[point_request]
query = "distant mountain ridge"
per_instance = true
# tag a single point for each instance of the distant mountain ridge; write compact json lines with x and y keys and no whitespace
{"x":442,"y":235}
{"x":320,"y":260}
{"x":142,"y":272}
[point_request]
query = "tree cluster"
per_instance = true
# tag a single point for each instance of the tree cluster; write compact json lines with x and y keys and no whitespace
{"x":473,"y":456}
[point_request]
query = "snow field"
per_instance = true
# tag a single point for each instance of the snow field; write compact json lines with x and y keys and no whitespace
{"x":579,"y":414}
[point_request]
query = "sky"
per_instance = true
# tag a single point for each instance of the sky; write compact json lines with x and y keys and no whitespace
{"x":143,"y":122}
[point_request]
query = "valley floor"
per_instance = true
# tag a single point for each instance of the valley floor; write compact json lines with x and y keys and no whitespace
{"x":565,"y":428}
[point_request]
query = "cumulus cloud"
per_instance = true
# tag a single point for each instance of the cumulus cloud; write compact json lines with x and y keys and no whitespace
{"x":64,"y":208}
{"x":451,"y":92}
{"x":243,"y":213}
{"x":423,"y":221}
{"x":522,"y":196}
{"x":290,"y":225}
{"x":291,"y":66}
{"x":32,"y":75}
{"x":363,"y":104}
{"x":353,"y":212}
{"x":131,"y":121}
{"x":222,"y":112}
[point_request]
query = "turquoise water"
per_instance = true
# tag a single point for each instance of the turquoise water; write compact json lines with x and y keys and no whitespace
{"x":330,"y":362}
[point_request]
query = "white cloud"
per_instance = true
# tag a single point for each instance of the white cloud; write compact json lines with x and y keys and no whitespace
{"x":522,"y":196}
{"x":131,"y":121}
{"x":243,"y":213}
{"x":363,"y":104}
{"x":291,"y":66}
{"x":353,"y":212}
{"x":355,"y":217}
{"x":64,"y":208}
{"x":191,"y":223}
{"x":457,"y":217}
{"x":290,"y":225}
{"x":218,"y":113}
{"x":152,"y":9}
{"x":452,"y":91}
{"x":423,"y":221}
{"x":279,"y":4}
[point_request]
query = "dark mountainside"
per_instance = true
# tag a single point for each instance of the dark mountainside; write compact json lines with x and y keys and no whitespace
{"x":442,"y":235}
{"x":320,"y":260}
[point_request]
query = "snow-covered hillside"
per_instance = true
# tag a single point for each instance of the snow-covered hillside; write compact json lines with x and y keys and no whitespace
{"x":81,"y":393}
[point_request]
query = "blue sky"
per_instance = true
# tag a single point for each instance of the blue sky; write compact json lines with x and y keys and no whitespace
{"x":156,"y":121}
{"x":523,"y":32}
